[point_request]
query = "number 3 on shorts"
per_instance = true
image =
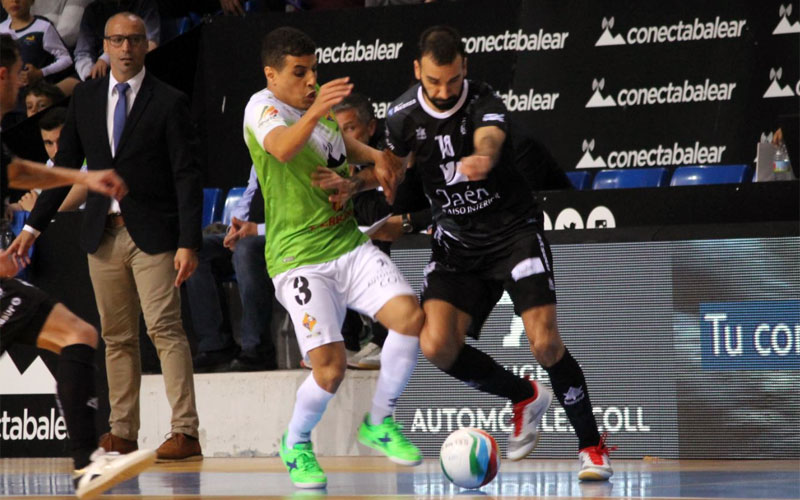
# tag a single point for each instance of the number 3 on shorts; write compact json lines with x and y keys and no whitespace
{"x":303,"y":292}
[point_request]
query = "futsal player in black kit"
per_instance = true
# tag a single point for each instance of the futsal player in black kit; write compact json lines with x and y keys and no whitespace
{"x":487,"y":238}
{"x":29,"y":316}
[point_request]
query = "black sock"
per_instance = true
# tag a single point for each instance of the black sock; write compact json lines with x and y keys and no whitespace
{"x":479,"y":370}
{"x":78,"y":400}
{"x":568,"y":383}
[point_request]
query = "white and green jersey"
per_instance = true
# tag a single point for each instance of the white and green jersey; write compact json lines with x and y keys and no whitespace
{"x":302,"y":226}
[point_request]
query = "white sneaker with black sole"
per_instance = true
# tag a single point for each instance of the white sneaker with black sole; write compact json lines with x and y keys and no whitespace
{"x":526,"y":419}
{"x":108,"y":469}
{"x":368,"y":358}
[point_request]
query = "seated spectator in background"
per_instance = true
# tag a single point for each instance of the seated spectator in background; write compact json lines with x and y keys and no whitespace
{"x":65,"y":15}
{"x":44,"y":54}
{"x":356,"y":118}
{"x":90,"y":61}
{"x":40,"y":96}
{"x":50,"y":126}
{"x":242,"y":246}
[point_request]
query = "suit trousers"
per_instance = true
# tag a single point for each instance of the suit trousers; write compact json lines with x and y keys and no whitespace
{"x":128,"y":281}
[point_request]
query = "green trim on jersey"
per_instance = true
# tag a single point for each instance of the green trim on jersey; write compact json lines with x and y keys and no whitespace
{"x":302,"y":227}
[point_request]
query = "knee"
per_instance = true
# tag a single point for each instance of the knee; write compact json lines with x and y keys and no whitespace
{"x":413,"y":321}
{"x":437,"y":349}
{"x":547,"y":347}
{"x":329,"y":376}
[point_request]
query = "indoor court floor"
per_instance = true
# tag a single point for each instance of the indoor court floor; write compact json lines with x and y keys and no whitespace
{"x":370,"y":477}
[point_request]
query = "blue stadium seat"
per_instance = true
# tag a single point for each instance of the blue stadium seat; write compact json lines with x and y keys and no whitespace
{"x":234,"y":195}
{"x":631,"y":178}
{"x":708,"y":174}
{"x":213,"y":202}
{"x":580,"y":179}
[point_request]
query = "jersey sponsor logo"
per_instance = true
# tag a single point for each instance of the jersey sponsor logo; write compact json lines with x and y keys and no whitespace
{"x":268,"y":113}
{"x":673,"y":33}
{"x":785,"y":27}
{"x":466,"y":202}
{"x":333,"y":220}
{"x":519,"y":41}
{"x":530,"y":100}
{"x":775,"y":88}
{"x":676,"y":154}
{"x":421,"y":134}
{"x":10,"y":310}
{"x":309,"y":322}
{"x":494,"y":117}
{"x":402,"y":106}
{"x":671,"y":93}
{"x":359,"y":52}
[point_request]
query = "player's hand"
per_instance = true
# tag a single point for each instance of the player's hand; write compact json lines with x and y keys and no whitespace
{"x":343,"y":188}
{"x":185,"y":263}
{"x":21,"y":246}
{"x":106,"y":182}
{"x":99,"y":69}
{"x":233,"y":7}
{"x":391,"y":230}
{"x":329,"y":95}
{"x":238,"y":230}
{"x":475,"y":167}
{"x":28,"y":200}
{"x":390,"y":172}
{"x":10,"y":264}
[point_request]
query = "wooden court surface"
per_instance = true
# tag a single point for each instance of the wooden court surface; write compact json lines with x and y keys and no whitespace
{"x":369,"y":477}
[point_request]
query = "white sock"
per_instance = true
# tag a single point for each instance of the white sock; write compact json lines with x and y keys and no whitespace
{"x":308,"y":409}
{"x":398,"y":359}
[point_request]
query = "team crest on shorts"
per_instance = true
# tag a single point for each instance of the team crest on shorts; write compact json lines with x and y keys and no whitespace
{"x":309,"y":322}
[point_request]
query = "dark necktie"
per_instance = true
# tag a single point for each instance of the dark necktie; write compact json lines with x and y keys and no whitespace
{"x":120,"y":112}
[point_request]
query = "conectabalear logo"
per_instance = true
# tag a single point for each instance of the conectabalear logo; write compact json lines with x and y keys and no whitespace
{"x":671,"y":93}
{"x":660,"y":155}
{"x":785,"y":27}
{"x":671,"y":33}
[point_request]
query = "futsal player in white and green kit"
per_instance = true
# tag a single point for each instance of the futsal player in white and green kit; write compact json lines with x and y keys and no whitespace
{"x":319,"y":261}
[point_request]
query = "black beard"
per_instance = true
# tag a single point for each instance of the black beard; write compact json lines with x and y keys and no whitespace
{"x":443,"y":104}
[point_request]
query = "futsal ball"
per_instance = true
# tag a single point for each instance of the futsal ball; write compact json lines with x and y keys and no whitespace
{"x":469,"y":458}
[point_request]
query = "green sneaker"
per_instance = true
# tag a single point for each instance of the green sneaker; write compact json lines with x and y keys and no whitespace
{"x":387,"y":439}
{"x":304,"y":470}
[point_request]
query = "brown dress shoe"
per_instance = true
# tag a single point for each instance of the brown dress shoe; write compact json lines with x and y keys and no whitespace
{"x":179,"y":448}
{"x":110,"y":442}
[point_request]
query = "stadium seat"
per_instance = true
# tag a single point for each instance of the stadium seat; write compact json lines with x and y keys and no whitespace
{"x":580,"y":179}
{"x":234,"y":195}
{"x":708,"y":174}
{"x":632,"y":178}
{"x":212,"y":205}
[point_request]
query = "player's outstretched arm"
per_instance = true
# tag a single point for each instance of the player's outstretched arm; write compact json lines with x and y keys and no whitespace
{"x":488,"y":145}
{"x":390,"y":170}
{"x":285,"y":142}
{"x":24,"y":174}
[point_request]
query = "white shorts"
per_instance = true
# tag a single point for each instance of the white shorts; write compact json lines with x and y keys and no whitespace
{"x":317,"y":296}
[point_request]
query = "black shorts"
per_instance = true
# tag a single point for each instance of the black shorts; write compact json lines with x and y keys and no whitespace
{"x":23,"y":312}
{"x":524,"y":269}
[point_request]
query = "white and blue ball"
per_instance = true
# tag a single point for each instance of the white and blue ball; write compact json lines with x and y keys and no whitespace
{"x":470,"y":458}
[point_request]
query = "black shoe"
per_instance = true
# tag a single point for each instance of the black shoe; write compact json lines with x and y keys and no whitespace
{"x":249,"y":364}
{"x":212,"y":361}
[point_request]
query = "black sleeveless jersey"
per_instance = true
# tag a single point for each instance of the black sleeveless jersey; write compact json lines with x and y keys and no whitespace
{"x":471,"y":218}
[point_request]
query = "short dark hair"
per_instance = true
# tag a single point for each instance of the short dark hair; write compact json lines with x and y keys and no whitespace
{"x":9,"y":53}
{"x":282,"y":42}
{"x":360,"y":103}
{"x":442,"y":43}
{"x":53,"y":118}
{"x":46,"y":89}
